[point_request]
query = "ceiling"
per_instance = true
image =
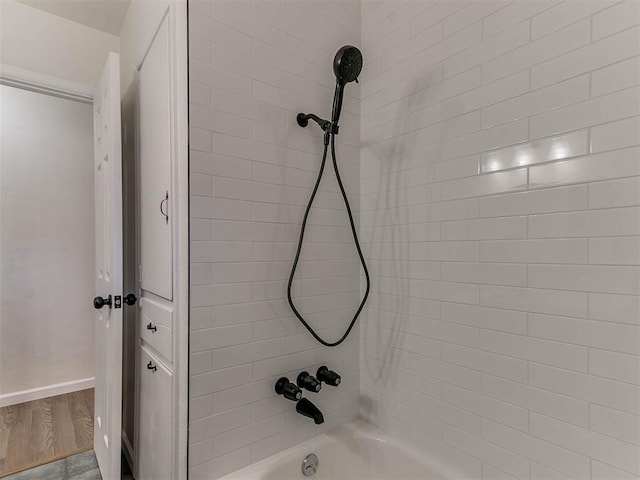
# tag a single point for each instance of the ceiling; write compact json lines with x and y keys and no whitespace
{"x":104,"y":15}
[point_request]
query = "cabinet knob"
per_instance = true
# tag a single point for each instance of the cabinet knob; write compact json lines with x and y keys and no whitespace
{"x":151,"y":366}
{"x":152,"y":327}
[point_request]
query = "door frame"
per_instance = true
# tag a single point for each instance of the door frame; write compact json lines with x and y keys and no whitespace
{"x":180,"y":56}
{"x":49,"y":85}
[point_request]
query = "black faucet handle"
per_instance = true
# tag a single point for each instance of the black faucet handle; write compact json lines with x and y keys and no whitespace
{"x":328,"y":376}
{"x":308,"y":382}
{"x":288,"y":390}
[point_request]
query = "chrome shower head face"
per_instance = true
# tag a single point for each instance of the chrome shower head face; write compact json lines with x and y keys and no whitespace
{"x":347,"y":64}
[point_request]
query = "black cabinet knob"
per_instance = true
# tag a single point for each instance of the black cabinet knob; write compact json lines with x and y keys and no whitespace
{"x":130,"y":299}
{"x":151,"y":366}
{"x":152,"y":327}
{"x":100,"y":302}
{"x":308,"y":382}
{"x":288,"y":390}
{"x":328,"y":376}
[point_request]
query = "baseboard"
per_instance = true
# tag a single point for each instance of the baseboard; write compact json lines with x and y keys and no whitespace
{"x":44,"y":392}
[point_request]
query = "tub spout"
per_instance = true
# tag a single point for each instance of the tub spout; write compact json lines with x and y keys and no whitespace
{"x":308,"y":409}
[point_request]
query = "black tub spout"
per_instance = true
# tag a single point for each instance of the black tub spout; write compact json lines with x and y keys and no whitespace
{"x":308,"y":409}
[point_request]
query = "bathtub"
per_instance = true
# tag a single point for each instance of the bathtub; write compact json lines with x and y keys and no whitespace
{"x":356,"y":450}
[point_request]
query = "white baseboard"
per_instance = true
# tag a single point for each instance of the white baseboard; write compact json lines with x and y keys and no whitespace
{"x":44,"y":392}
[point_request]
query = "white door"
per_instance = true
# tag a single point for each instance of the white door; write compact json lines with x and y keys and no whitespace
{"x":108,"y":303}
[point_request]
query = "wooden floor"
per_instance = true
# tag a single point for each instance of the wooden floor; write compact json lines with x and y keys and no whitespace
{"x":41,"y":431}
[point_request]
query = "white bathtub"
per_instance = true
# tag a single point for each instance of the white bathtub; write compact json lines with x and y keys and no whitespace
{"x":356,"y":450}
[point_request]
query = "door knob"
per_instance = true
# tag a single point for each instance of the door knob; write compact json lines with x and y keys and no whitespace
{"x":100,"y":302}
{"x":130,"y":299}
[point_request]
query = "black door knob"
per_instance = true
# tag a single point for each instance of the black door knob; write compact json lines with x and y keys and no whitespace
{"x":130,"y":299}
{"x":100,"y":302}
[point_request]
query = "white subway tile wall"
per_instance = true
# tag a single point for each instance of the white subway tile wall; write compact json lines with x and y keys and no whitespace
{"x":492,"y":156}
{"x":253,"y":66}
{"x":500,"y":194}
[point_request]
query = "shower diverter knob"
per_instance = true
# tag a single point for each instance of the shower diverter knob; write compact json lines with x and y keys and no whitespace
{"x":328,"y":376}
{"x":288,"y":390}
{"x":308,"y":382}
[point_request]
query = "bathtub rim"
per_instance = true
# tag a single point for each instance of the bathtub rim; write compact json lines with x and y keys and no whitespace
{"x":355,"y":428}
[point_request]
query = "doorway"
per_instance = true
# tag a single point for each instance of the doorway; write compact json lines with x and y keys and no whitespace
{"x":46,"y":267}
{"x":60,"y":227}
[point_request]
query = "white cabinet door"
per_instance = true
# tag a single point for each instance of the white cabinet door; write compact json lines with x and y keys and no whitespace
{"x":154,"y":111}
{"x":154,"y":448}
{"x":108,"y":253}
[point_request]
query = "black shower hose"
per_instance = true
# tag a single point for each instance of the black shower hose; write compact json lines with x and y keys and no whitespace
{"x":355,"y":238}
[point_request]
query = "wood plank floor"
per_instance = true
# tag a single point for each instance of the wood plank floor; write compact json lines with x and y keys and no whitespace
{"x":41,"y":431}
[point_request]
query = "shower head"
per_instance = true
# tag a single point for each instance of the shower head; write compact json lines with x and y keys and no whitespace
{"x":347,"y":64}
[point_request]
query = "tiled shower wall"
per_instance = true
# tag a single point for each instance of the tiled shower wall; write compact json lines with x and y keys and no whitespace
{"x":253,"y":66}
{"x":499,"y":207}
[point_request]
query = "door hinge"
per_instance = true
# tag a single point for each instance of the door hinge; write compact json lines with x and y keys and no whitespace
{"x":117,"y":301}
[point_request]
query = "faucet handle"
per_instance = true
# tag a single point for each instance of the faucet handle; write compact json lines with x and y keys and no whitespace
{"x":328,"y":376}
{"x":288,"y":390}
{"x":308,"y":382}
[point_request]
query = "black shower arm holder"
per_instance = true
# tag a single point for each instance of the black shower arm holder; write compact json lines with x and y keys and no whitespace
{"x":328,"y":127}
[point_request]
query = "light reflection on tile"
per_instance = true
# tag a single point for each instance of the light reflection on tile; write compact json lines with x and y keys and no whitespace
{"x":590,"y":168}
{"x":537,"y":151}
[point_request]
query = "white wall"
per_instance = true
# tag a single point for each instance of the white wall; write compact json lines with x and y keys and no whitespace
{"x":39,"y":41}
{"x":253,"y":67}
{"x":46,"y":240}
{"x":500,"y":207}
